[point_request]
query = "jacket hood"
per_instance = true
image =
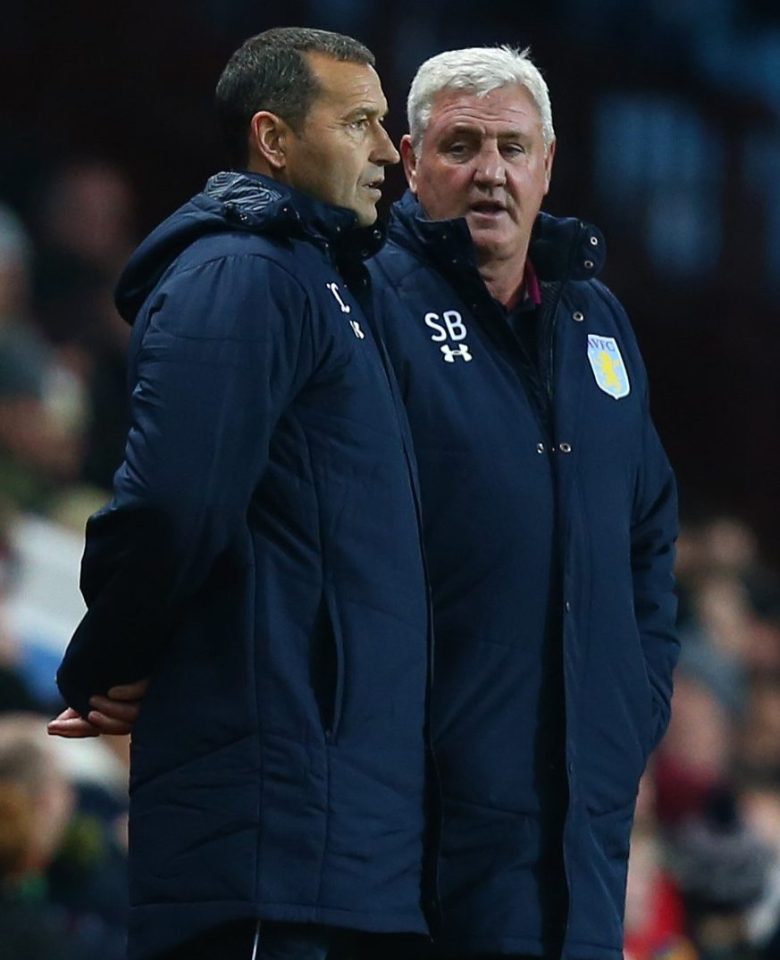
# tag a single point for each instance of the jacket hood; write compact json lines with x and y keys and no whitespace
{"x":562,"y":248}
{"x":239,"y":201}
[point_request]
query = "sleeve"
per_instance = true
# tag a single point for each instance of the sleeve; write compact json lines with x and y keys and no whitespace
{"x":224,"y":349}
{"x":653,"y":536}
{"x":383,"y":308}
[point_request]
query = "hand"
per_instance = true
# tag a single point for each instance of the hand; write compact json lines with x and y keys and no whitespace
{"x":71,"y":725}
{"x":115,"y":713}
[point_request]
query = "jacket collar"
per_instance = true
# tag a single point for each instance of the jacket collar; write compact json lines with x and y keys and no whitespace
{"x":254,"y":202}
{"x":561,"y":248}
{"x":446,"y":242}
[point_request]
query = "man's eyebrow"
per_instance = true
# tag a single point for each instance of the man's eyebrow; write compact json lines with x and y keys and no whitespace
{"x":514,"y":135}
{"x":371,"y":111}
{"x":464,"y":128}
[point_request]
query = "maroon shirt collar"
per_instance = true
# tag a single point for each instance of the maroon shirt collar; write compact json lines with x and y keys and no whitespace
{"x":532,"y":290}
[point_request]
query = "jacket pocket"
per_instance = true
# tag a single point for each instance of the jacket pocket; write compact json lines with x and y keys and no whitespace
{"x":327,"y":665}
{"x":650,"y":712}
{"x":610,"y":836}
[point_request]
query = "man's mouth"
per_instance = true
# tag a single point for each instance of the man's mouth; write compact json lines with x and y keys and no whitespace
{"x":375,"y":184}
{"x":489,"y":208}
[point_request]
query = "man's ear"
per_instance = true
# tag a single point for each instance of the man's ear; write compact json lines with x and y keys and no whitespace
{"x":268,"y":135}
{"x":409,"y":160}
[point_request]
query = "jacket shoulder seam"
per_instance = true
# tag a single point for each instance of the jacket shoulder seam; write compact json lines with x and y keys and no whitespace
{"x":183,"y":272}
{"x":242,"y":256}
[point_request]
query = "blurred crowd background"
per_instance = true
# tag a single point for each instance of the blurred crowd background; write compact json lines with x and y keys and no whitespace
{"x":668,"y":120}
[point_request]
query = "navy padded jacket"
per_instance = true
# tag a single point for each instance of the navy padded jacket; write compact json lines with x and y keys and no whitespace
{"x":261,"y":560}
{"x":549,"y":522}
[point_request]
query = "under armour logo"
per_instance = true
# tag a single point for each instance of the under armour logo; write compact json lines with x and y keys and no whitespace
{"x":356,"y":329}
{"x":450,"y":354}
{"x":334,"y":289}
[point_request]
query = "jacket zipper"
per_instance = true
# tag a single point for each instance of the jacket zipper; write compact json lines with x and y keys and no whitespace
{"x":543,"y":407}
{"x":551,"y":311}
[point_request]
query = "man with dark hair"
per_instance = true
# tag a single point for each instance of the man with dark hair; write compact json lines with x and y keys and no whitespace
{"x":260,"y":560}
{"x":273,"y":69}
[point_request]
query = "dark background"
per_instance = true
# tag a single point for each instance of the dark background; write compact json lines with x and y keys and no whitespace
{"x":666,"y":113}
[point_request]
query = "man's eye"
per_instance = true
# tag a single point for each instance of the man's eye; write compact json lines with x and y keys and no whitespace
{"x":513,"y":149}
{"x":360,"y":123}
{"x":457,"y":149}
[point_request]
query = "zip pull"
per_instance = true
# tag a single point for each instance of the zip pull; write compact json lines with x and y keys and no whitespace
{"x":256,"y":942}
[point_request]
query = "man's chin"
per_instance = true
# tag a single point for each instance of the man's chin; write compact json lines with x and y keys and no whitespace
{"x":487,"y":235}
{"x":366,"y":216}
{"x":490,"y":246}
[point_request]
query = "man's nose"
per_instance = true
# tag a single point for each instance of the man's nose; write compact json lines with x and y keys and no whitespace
{"x":384,"y":153}
{"x":490,"y":170}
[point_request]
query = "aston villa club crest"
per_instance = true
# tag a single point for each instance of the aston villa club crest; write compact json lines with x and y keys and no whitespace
{"x":608,"y":367}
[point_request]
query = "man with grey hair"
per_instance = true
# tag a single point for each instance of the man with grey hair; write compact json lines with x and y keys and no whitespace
{"x":549,"y":518}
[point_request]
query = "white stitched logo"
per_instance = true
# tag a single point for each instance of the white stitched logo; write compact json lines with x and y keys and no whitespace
{"x":453,"y":326}
{"x":450,"y":354}
{"x":449,"y":326}
{"x":345,"y":308}
{"x":334,"y":289}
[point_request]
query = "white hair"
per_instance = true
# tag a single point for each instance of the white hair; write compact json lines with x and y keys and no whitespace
{"x":476,"y":70}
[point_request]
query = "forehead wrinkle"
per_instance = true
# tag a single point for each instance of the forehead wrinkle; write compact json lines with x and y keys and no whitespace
{"x":356,"y":94}
{"x":371,"y":107}
{"x":480,"y":111}
{"x":345,"y":85}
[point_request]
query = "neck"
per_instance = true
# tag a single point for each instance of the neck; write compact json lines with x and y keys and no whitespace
{"x":259,"y":165}
{"x":504,"y":279}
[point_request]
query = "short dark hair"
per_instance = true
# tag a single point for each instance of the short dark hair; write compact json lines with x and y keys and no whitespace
{"x":270,"y":72}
